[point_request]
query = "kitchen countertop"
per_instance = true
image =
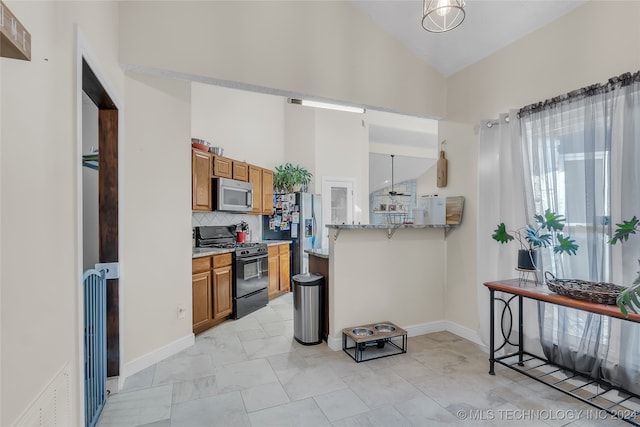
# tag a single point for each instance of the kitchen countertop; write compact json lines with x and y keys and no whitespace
{"x":276,"y":242}
{"x":384,"y":226}
{"x":320,"y":253}
{"x":200,"y":252}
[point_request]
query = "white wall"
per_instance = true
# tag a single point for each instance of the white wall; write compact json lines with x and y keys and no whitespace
{"x":401,"y":279}
{"x":39,"y":170}
{"x":342,"y":150}
{"x":578,"y":49}
{"x":300,"y":140}
{"x":321,"y":48}
{"x":156,"y":222}
{"x":248,"y":125}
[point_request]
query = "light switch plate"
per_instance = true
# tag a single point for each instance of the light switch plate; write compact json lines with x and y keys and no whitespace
{"x":112,"y":269}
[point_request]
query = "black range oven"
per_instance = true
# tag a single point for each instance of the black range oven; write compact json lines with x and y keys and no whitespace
{"x":251,"y":267}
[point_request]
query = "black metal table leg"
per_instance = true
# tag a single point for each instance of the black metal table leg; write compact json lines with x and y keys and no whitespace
{"x":520,"y":332}
{"x":491,"y":332}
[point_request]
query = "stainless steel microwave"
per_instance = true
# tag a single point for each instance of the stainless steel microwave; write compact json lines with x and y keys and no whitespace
{"x":231,"y":195}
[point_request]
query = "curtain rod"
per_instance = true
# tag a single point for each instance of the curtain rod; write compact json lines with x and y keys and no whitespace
{"x":613,"y":83}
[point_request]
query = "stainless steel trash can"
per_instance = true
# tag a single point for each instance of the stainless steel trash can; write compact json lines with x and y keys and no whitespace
{"x":307,"y":308}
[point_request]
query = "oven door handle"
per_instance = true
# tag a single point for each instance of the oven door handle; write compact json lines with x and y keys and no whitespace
{"x":252,"y":258}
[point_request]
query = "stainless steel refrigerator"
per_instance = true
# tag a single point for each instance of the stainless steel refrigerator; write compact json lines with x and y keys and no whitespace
{"x":297,"y":217}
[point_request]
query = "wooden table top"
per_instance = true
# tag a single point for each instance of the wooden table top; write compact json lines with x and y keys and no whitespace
{"x":541,"y":293}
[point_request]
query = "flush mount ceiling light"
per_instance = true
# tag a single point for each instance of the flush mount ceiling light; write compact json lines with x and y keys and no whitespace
{"x":329,"y":106}
{"x":439,"y":16}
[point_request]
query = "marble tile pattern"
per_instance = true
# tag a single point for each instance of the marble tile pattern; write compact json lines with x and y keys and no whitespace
{"x":251,"y":372}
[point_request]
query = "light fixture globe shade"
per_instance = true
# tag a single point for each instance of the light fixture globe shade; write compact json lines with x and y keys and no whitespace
{"x":439,"y":16}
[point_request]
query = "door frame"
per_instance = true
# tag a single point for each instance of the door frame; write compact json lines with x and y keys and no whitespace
{"x":84,"y":54}
{"x":327,"y":183}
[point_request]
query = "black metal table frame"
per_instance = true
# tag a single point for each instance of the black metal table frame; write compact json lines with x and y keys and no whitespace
{"x":524,"y":356}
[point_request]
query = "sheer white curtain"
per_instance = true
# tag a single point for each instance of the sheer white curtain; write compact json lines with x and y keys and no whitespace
{"x":566,"y":147}
{"x":581,"y":155}
{"x":500,"y":199}
{"x":622,"y":363}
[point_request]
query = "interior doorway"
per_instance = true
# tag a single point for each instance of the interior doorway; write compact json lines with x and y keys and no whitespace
{"x":107,"y":201}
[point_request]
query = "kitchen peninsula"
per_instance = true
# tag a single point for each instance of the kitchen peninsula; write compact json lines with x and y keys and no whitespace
{"x":386,"y":272}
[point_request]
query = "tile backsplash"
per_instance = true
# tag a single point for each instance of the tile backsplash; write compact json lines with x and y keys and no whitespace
{"x":200,"y":219}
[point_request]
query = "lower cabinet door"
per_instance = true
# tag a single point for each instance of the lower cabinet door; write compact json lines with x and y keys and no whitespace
{"x":222,"y":288}
{"x":285,"y":269}
{"x":274,"y":274}
{"x":202,"y":310}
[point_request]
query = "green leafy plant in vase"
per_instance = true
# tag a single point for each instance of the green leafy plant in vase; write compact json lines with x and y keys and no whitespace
{"x":288,"y":178}
{"x":545,"y":232}
{"x":629,"y":298}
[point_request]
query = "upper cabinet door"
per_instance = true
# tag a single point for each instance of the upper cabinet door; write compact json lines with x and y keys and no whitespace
{"x":222,"y":167}
{"x":267,"y":192}
{"x":201,"y":173}
{"x":255,"y":178}
{"x":240,"y":171}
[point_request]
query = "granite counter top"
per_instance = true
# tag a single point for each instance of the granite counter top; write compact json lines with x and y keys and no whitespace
{"x":320,"y":253}
{"x":384,"y":226}
{"x":276,"y":242}
{"x":200,"y":252}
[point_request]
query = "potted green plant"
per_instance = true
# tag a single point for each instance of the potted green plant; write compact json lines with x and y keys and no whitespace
{"x":544,"y":233}
{"x":629,"y":298}
{"x":288,"y":178}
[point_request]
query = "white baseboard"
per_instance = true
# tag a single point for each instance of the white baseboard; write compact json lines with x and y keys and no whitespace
{"x":156,"y":356}
{"x":464,"y":332}
{"x":335,"y":344}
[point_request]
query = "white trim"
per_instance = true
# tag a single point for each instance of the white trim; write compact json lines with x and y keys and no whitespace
{"x":425,"y":328}
{"x":464,"y":332}
{"x":335,"y":344}
{"x":327,"y":182}
{"x":149,"y":359}
{"x":84,"y":51}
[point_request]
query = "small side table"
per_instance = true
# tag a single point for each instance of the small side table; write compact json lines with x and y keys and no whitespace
{"x":383,"y":339}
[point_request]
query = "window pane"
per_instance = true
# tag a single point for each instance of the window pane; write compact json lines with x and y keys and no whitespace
{"x":338,"y":205}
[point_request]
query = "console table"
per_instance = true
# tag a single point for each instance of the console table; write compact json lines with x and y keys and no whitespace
{"x":588,"y":390}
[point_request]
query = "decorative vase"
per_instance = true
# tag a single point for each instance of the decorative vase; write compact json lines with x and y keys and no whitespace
{"x":527,"y":259}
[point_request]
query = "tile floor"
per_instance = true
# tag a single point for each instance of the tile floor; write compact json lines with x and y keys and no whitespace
{"x":251,"y":372}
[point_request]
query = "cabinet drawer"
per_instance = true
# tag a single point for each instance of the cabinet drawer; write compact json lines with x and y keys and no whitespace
{"x":199,"y":265}
{"x":283,"y":249}
{"x":221,"y":260}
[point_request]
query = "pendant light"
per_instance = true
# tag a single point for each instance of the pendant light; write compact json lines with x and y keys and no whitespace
{"x":439,"y":16}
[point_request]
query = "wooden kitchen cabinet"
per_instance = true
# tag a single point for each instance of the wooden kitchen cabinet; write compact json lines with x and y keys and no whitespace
{"x":222,"y":167}
{"x":202,"y":314}
{"x":222,"y":286}
{"x":212,"y":299}
{"x":274,"y":272}
{"x":262,"y":180}
{"x":201,"y":173}
{"x":285,"y":268}
{"x":267,"y":192}
{"x":279,"y":270}
{"x":240,"y":171}
{"x":255,"y":178}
